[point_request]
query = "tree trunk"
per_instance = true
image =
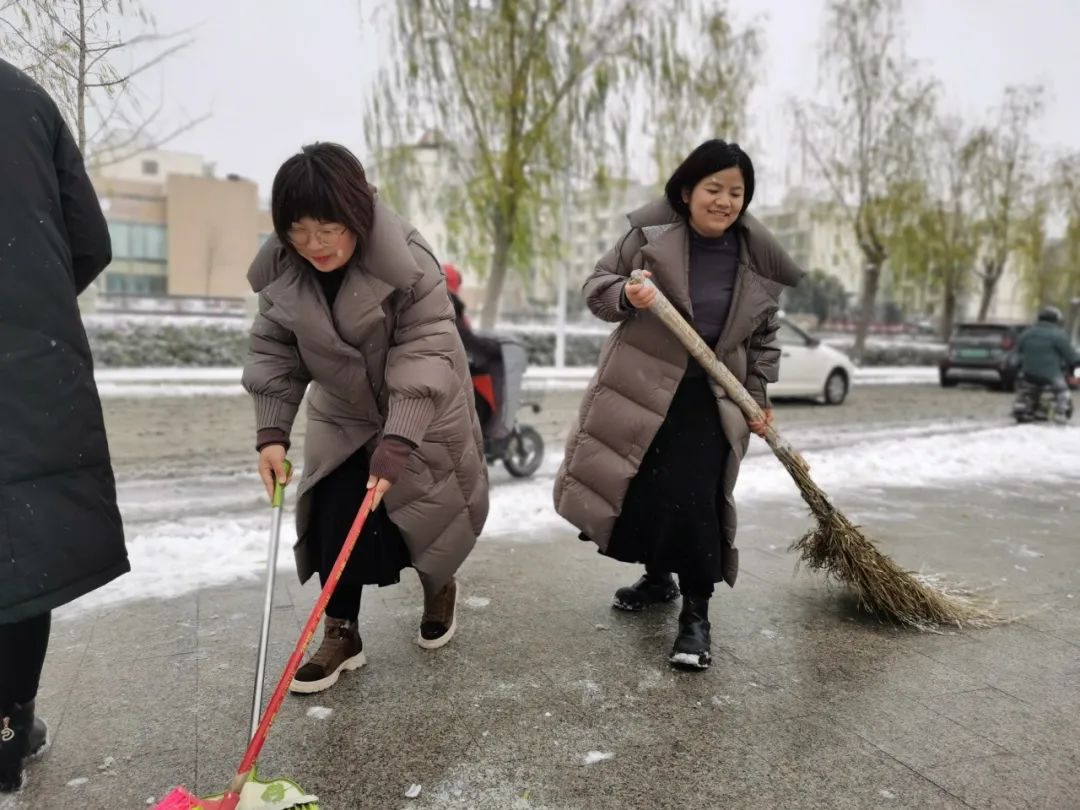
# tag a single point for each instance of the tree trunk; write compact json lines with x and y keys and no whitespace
{"x":80,"y":89}
{"x":990,"y":278}
{"x":948,"y":313}
{"x":496,"y":277}
{"x":871,"y":279}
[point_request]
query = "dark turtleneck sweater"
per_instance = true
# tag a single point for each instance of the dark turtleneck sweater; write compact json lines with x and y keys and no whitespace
{"x":714,"y":266}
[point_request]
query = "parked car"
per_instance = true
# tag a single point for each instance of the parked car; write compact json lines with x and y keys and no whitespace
{"x":808,"y":368}
{"x":982,"y":352}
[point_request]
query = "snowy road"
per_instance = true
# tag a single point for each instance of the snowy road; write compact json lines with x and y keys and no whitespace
{"x":196,"y":515}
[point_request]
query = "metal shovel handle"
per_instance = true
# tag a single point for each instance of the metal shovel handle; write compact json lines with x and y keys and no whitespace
{"x":277,"y":504}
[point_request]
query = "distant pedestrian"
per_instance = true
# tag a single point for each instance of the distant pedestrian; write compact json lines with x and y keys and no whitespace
{"x":650,"y":468}
{"x":354,"y":313}
{"x":60,"y":529}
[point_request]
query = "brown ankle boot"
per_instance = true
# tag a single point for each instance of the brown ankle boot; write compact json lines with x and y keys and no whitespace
{"x":439,"y":623}
{"x":341,"y":649}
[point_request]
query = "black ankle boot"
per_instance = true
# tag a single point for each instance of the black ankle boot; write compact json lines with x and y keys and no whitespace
{"x":692,"y":645}
{"x":651,"y":589}
{"x":22,"y":737}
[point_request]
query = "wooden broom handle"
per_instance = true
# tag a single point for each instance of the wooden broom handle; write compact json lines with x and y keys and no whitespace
{"x":699,"y":349}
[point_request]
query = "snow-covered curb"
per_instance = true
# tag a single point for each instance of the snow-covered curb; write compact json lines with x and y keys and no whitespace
{"x":172,"y":382}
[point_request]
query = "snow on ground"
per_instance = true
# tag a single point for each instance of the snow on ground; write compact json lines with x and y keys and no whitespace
{"x":205,"y":541}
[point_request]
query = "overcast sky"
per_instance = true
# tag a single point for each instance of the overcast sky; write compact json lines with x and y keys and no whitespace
{"x":279,"y":73}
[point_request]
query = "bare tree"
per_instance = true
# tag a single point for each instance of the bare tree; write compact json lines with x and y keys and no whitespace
{"x":518,"y":94}
{"x":868,"y":143}
{"x":940,"y":243}
{"x":74,"y":49}
{"x":1005,"y":180}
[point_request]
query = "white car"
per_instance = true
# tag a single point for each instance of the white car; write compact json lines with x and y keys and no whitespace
{"x":808,"y":368}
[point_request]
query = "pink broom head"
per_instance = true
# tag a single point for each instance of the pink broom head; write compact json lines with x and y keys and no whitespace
{"x":178,"y":799}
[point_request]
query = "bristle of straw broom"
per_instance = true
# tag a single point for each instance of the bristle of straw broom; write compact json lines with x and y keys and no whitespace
{"x":837,"y":547}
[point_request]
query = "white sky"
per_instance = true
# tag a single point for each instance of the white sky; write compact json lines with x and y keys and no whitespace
{"x":279,"y":73}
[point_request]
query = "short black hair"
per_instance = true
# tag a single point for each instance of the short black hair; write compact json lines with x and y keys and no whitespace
{"x":324,"y":181}
{"x":711,"y":157}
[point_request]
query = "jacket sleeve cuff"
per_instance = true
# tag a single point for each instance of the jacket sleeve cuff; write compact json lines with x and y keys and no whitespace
{"x":388,"y":460}
{"x":409,"y":419}
{"x":271,"y":435}
{"x":611,"y":304}
{"x":273,"y":412}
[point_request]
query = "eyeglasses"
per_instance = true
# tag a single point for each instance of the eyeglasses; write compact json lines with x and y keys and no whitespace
{"x":324,"y":236}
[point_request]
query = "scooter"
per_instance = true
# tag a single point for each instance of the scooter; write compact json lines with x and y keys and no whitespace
{"x":520,"y":448}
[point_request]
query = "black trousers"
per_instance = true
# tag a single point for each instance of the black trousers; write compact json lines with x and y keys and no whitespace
{"x":670,"y":518}
{"x":380,"y":553}
{"x":22,"y":655}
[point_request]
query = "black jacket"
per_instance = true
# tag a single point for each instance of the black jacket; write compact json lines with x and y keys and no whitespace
{"x":60,"y":529}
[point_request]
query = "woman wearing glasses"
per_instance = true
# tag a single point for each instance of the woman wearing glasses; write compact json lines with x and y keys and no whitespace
{"x":353,"y":311}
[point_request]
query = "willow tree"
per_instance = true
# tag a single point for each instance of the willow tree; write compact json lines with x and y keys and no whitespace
{"x":1006,"y":184}
{"x":518,"y":95}
{"x":867,"y":140}
{"x":939,"y":243}
{"x":1067,"y":191}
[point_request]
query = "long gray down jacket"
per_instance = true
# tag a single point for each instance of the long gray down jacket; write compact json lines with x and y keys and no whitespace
{"x":387,"y":360}
{"x":642,"y":364}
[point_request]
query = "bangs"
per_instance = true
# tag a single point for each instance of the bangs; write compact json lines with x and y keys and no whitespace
{"x":300,"y":192}
{"x":326,"y":182}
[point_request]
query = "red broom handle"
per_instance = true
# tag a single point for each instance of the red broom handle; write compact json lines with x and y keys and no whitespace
{"x":256,"y":744}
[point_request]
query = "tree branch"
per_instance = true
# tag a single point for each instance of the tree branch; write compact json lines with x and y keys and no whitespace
{"x":161,"y":57}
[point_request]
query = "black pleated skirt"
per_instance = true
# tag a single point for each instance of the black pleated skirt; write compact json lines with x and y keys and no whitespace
{"x":670,"y":519}
{"x":380,"y":553}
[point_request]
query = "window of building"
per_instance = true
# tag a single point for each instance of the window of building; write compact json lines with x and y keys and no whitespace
{"x":139,"y":240}
{"x":150,"y":167}
{"x":134,"y":284}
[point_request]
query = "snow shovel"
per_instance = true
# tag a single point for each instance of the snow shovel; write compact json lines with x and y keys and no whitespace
{"x":247,"y":791}
{"x":836,"y":546}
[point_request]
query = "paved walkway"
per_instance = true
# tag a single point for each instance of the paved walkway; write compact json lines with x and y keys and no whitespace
{"x":549,"y":699}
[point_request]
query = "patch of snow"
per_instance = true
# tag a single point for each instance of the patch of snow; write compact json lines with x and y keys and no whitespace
{"x":82,"y":780}
{"x":413,"y":791}
{"x":593,"y":757}
{"x":212,"y":530}
{"x":886,"y":794}
{"x":769,"y":633}
{"x":319,"y":712}
{"x":477,"y":601}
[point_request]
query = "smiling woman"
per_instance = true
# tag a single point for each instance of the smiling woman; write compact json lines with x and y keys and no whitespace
{"x":650,"y":471}
{"x":354,"y":312}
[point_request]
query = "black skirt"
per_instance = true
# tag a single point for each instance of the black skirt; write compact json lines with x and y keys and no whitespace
{"x":380,"y":553}
{"x":670,"y":519}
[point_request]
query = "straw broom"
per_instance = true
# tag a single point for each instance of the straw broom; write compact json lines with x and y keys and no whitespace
{"x":836,"y":546}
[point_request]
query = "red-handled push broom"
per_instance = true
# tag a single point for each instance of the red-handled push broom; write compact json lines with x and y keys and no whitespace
{"x":247,"y":791}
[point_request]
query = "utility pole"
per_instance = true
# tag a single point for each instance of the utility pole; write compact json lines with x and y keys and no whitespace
{"x":563,"y":275}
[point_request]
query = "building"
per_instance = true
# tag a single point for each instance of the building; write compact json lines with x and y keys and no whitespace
{"x":817,"y":236}
{"x":176,"y":228}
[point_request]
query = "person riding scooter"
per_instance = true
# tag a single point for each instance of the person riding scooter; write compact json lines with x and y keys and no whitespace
{"x":1046,"y":356}
{"x":485,"y":357}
